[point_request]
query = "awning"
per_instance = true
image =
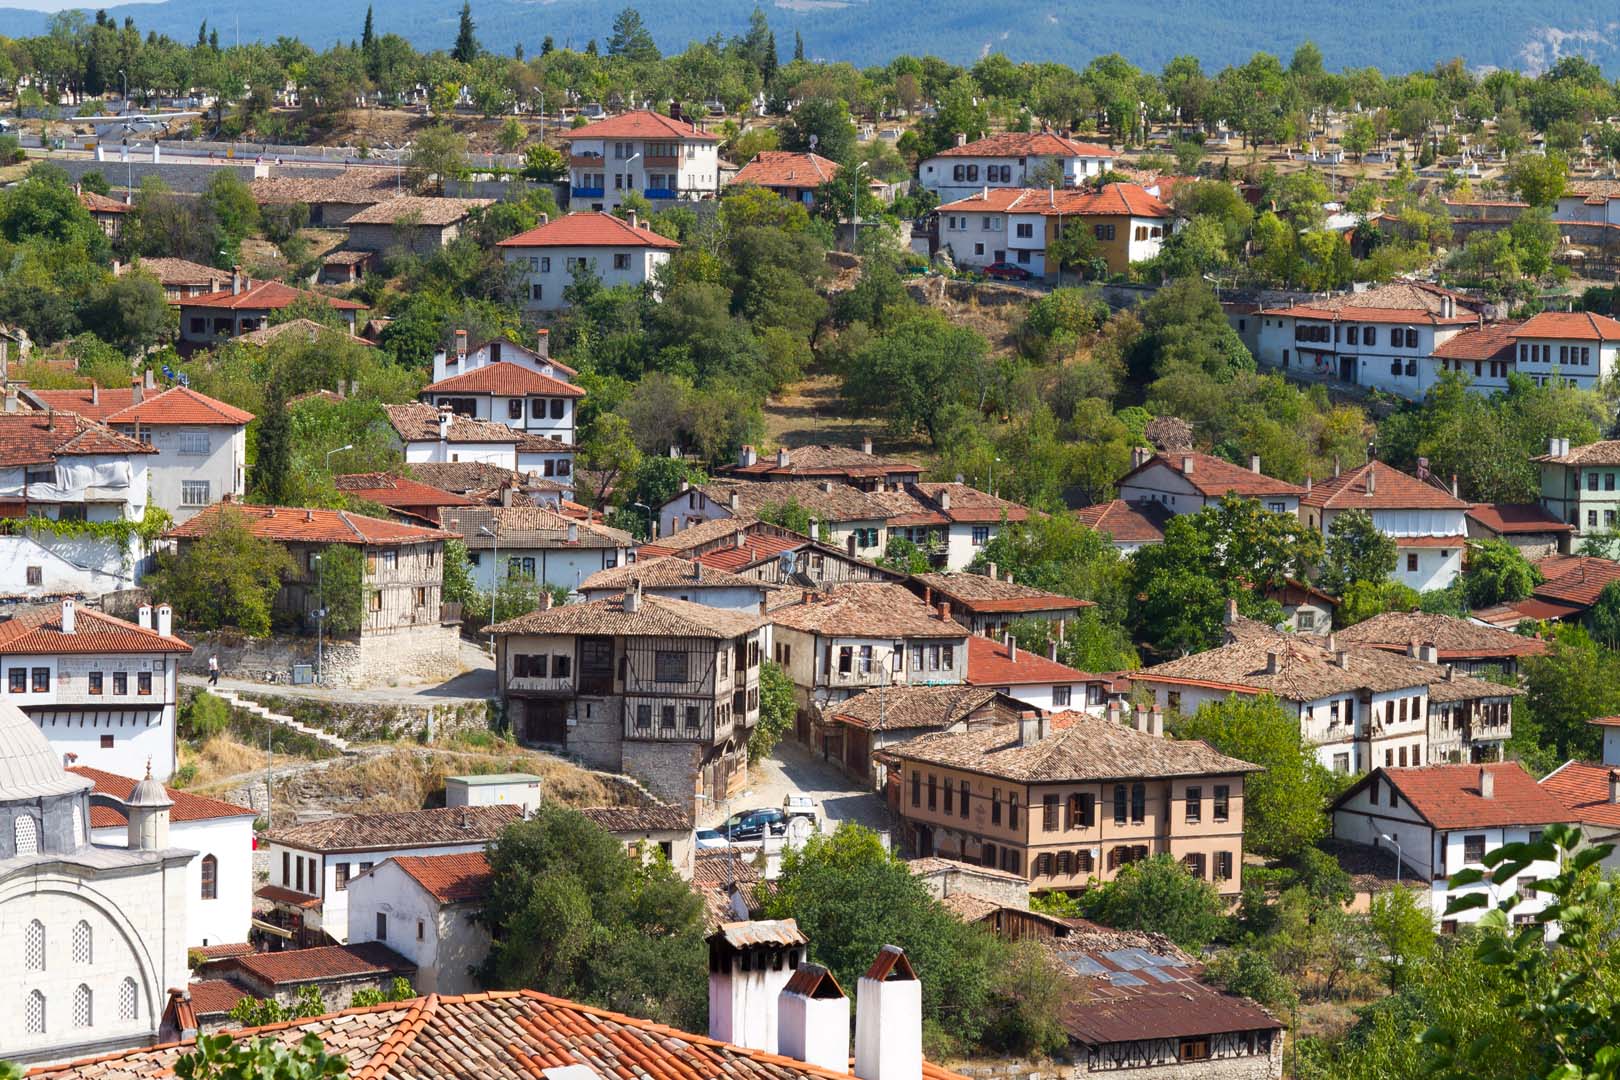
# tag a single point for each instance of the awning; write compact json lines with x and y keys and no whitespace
{"x":272,"y":928}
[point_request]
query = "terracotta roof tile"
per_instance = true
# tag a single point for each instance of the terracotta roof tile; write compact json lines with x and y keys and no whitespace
{"x":180,"y":405}
{"x":445,"y":825}
{"x":1391,"y":490}
{"x":103,"y":204}
{"x":786,"y":169}
{"x":1448,"y":796}
{"x":529,"y":527}
{"x":324,"y":962}
{"x":826,"y":500}
{"x":1583,"y":791}
{"x":617,"y":819}
{"x":187,"y":807}
{"x":699,"y":535}
{"x":658,"y":616}
{"x":1214,"y":477}
{"x":641,"y":124}
{"x":311,"y":526}
{"x":981,"y":593}
{"x":505,"y":378}
{"x":449,"y":879}
{"x":422,"y":210}
{"x":180,"y":272}
{"x":1602,"y":452}
{"x":1453,"y":638}
{"x":1574,"y":579}
{"x":1098,"y":750}
{"x":1506,"y":519}
{"x":92,"y":402}
{"x":896,"y":708}
{"x":865,"y":609}
{"x":387,"y":489}
{"x":463,"y":477}
{"x":926,"y":504}
{"x":37,"y":631}
{"x":214,"y":997}
{"x":417,"y":421}
{"x":593,"y":229}
{"x":991,"y":663}
{"x":1492,"y":341}
{"x":352,"y":186}
{"x":825,"y":460}
{"x":1027,"y":144}
{"x":713,"y":867}
{"x":1348,"y":314}
{"x":1570,"y":325}
{"x":1112,"y":200}
{"x":263,"y":296}
{"x":668,"y":572}
{"x":1127,"y":522}
{"x":40,"y":438}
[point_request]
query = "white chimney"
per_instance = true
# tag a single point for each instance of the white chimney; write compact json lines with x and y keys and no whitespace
{"x":1156,"y":722}
{"x":750,"y":964}
{"x":445,"y":416}
{"x":236,"y":280}
{"x":944,"y":498}
{"x":542,"y":344}
{"x":734,"y":502}
{"x":1429,"y":653}
{"x":812,"y":1019}
{"x":1254,"y":463}
{"x":1487,"y":783}
{"x":747,"y":456}
{"x":1614,"y":785}
{"x":1012,"y":646}
{"x":888,"y":1019}
{"x":573,"y":533}
{"x":1187,"y":466}
{"x":866,"y":445}
{"x":165,"y":620}
{"x":632,"y":597}
{"x":782,"y":458}
{"x":69,"y":622}
{"x":143,"y":616}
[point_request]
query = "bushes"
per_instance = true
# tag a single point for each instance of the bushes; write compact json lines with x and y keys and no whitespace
{"x":203,"y":717}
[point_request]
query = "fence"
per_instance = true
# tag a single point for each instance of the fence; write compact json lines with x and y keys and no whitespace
{"x":332,"y":155}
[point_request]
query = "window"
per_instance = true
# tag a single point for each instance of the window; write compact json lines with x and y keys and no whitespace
{"x":382,"y":926}
{"x":947,"y":793}
{"x":1341,"y":763}
{"x":1411,"y":562}
{"x":1060,"y":695}
{"x":1138,"y":803}
{"x":866,"y":660}
{"x":421,"y":930}
{"x":666,"y":717}
{"x":964,"y":789}
{"x":537,"y":291}
{"x":916,"y":789}
{"x":120,"y":682}
{"x":558,"y":407}
{"x":374,"y":600}
{"x":194,"y":493}
{"x":41,"y":681}
{"x":194,"y":442}
{"x":643,"y":716}
{"x":341,"y":875}
{"x":1024,"y":230}
{"x":1527,"y":888}
{"x":1223,"y":866}
{"x":390,"y":560}
{"x":1012,"y":810}
{"x":82,"y":1013}
{"x":286,"y":871}
{"x":19,"y":680}
{"x":1195,"y":805}
{"x":933,"y":792}
{"x":1119,"y":804}
{"x":210,"y":878}
{"x":95,"y":682}
{"x":143,"y":683}
{"x":846,"y":655}
{"x":34,"y":945}
{"x":1474,"y":848}
{"x":1222,"y":802}
{"x":129,"y":1000}
{"x":1195,"y":1048}
{"x":1049,"y":813}
{"x":995,"y":806}
{"x":1369,"y":335}
{"x":621,"y":261}
{"x":299,"y":868}
{"x":1591,"y":481}
{"x":36,"y":575}
{"x":1196,"y":863}
{"x":34,"y":1013}
{"x":669,"y":667}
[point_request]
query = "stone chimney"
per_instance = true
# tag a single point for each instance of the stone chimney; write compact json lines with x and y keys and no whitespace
{"x":1140,"y":716}
{"x":1187,"y":466}
{"x":1487,"y":783}
{"x":1254,"y":463}
{"x":95,"y":393}
{"x":1271,"y":663}
{"x":165,"y":620}
{"x":632,"y":597}
{"x":1614,"y":785}
{"x":1012,"y":646}
{"x":1031,"y":727}
{"x":812,"y":1019}
{"x":1231,"y":613}
{"x":1429,"y":653}
{"x":69,"y":622}
{"x":136,"y":391}
{"x":827,"y":486}
{"x":1156,"y":722}
{"x":866,"y":445}
{"x":945,"y":610}
{"x":888,"y":1019}
{"x":734,"y":502}
{"x":506,"y":494}
{"x":1140,"y":455}
{"x":782,"y":457}
{"x":542,"y":343}
{"x":1372,"y":480}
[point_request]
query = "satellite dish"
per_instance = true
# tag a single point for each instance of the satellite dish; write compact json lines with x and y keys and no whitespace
{"x":814,"y":140}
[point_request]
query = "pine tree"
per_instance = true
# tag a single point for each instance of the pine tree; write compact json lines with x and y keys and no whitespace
{"x":213,"y":40}
{"x":202,"y":34}
{"x":631,"y":39}
{"x":466,"y":49}
{"x":798,"y":45}
{"x":767,"y":70}
{"x":517,"y":51}
{"x":367,"y":38}
{"x":590,"y":47}
{"x":547,"y":46}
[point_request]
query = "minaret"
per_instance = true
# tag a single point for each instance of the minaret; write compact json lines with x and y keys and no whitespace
{"x":148,"y":811}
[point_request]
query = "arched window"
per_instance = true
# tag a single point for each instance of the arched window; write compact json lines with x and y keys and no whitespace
{"x":34,"y":946}
{"x":81,"y":1006}
{"x":129,"y":1000}
{"x":34,"y":1014}
{"x":26,"y":831}
{"x":82,"y":952}
{"x":210,"y":877}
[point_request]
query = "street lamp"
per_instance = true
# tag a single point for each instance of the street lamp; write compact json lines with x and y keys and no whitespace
{"x":339,"y":450}
{"x":129,"y":162}
{"x":320,"y":622}
{"x":1398,"y":857}
{"x":494,"y":574}
{"x":629,"y":177}
{"x":647,"y":508}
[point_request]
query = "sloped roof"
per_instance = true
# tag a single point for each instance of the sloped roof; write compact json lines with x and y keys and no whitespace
{"x":903,"y":707}
{"x":981,"y":593}
{"x":213,"y":997}
{"x":529,"y":527}
{"x":1574,"y":579}
{"x":97,"y":203}
{"x":1214,"y":477}
{"x":824,"y":460}
{"x":925,"y":504}
{"x":444,"y":825}
{"x":450,"y":879}
{"x":170,"y":271}
{"x":1027,"y":144}
{"x":1096,"y":750}
{"x":417,"y":421}
{"x":1570,"y":325}
{"x":668,"y":572}
{"x":865,"y":609}
{"x":37,"y":631}
{"x":1391,"y":490}
{"x":1602,"y":452}
{"x":1448,"y":796}
{"x":787,"y":169}
{"x":422,"y":210}
{"x":826,"y":500}
{"x":387,"y":489}
{"x":658,"y":616}
{"x":1353,"y":314}
{"x":92,"y":402}
{"x":39,"y":438}
{"x":352,"y":186}
{"x":1583,"y":790}
{"x":292,"y":966}
{"x":1489,"y":342}
{"x":463,"y":477}
{"x":187,"y":807}
{"x":596,"y":228}
{"x":1127,"y":522}
{"x":1111,"y":200}
{"x":297,"y":524}
{"x":264,"y":296}
{"x":181,"y":405}
{"x":1452,"y":638}
{"x":695,"y":536}
{"x":507,"y":379}
{"x":307,"y":329}
{"x":617,"y":819}
{"x":991,"y":663}
{"x":641,"y":124}
{"x":1507,"y":519}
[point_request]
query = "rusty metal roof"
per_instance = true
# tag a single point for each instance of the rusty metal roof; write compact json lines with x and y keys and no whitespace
{"x":891,"y":964}
{"x":749,"y":935}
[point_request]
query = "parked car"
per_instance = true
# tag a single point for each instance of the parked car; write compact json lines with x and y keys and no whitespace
{"x":800,"y":806}
{"x":1007,"y":271}
{"x":710,"y":838}
{"x":753,"y":824}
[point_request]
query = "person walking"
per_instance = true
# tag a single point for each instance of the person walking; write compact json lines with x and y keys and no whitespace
{"x":213,"y":671}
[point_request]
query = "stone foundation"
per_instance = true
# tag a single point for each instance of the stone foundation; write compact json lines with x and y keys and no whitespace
{"x":420,"y":652}
{"x":670,"y":770}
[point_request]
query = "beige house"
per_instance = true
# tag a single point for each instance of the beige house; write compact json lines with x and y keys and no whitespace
{"x":1072,"y":806}
{"x":414,"y":223}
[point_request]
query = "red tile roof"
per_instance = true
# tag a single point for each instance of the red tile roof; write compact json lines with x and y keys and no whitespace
{"x":94,"y":402}
{"x":1127,"y":522}
{"x":38,"y":632}
{"x":786,"y":169}
{"x":755,"y":549}
{"x":980,"y":593}
{"x":1027,"y":144}
{"x":449,"y":879}
{"x":386,"y":489}
{"x":1583,"y":790}
{"x":103,"y":204}
{"x":1391,"y":490}
{"x":641,"y":124}
{"x":1506,"y":519}
{"x":1489,"y":342}
{"x":1574,"y":579}
{"x":507,"y":379}
{"x":221,"y":952}
{"x":1215,"y":477}
{"x":1570,"y":325}
{"x":180,"y":405}
{"x":926,"y":504}
{"x":323,"y":962}
{"x":39,"y":438}
{"x":990,"y":663}
{"x":263,"y":296}
{"x":1448,"y":796}
{"x":214,"y":997}
{"x":187,"y":807}
{"x":294,"y":524}
{"x":594,"y":229}
{"x":1111,"y":200}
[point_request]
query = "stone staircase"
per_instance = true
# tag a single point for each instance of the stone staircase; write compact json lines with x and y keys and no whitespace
{"x":249,"y":705}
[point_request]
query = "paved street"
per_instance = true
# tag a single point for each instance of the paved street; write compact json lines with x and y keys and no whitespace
{"x":791,"y":769}
{"x":475,"y":683}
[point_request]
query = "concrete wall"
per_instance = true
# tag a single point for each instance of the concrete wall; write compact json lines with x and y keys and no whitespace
{"x":443,"y":940}
{"x":225,"y":918}
{"x":187,"y":179}
{"x":426,"y":651}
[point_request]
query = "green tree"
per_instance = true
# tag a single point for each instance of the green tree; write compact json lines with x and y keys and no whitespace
{"x":439,"y":154}
{"x":226,"y":1057}
{"x":1403,"y":926}
{"x":1496,"y":572}
{"x":1058,"y":553}
{"x":544,"y":164}
{"x":571,"y":913}
{"x":631,"y":38}
{"x":466,"y":49}
{"x":230,"y":203}
{"x":777,"y":710}
{"x":1356,"y":551}
{"x":1574,"y":681}
{"x":457,"y":586}
{"x":1603,"y":621}
{"x":130,"y":312}
{"x":272,"y":465}
{"x":1158,"y":894}
{"x":341,"y":581}
{"x":203,"y":717}
{"x":823,"y":125}
{"x":913,"y":371}
{"x":226,"y":577}
{"x":1285,"y":805}
{"x":1539,"y":179}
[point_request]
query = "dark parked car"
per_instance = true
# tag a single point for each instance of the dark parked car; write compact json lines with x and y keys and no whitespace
{"x":751,"y":824}
{"x":1007,"y":271}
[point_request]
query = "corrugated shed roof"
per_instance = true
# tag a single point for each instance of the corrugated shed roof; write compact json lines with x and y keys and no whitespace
{"x":747,"y":935}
